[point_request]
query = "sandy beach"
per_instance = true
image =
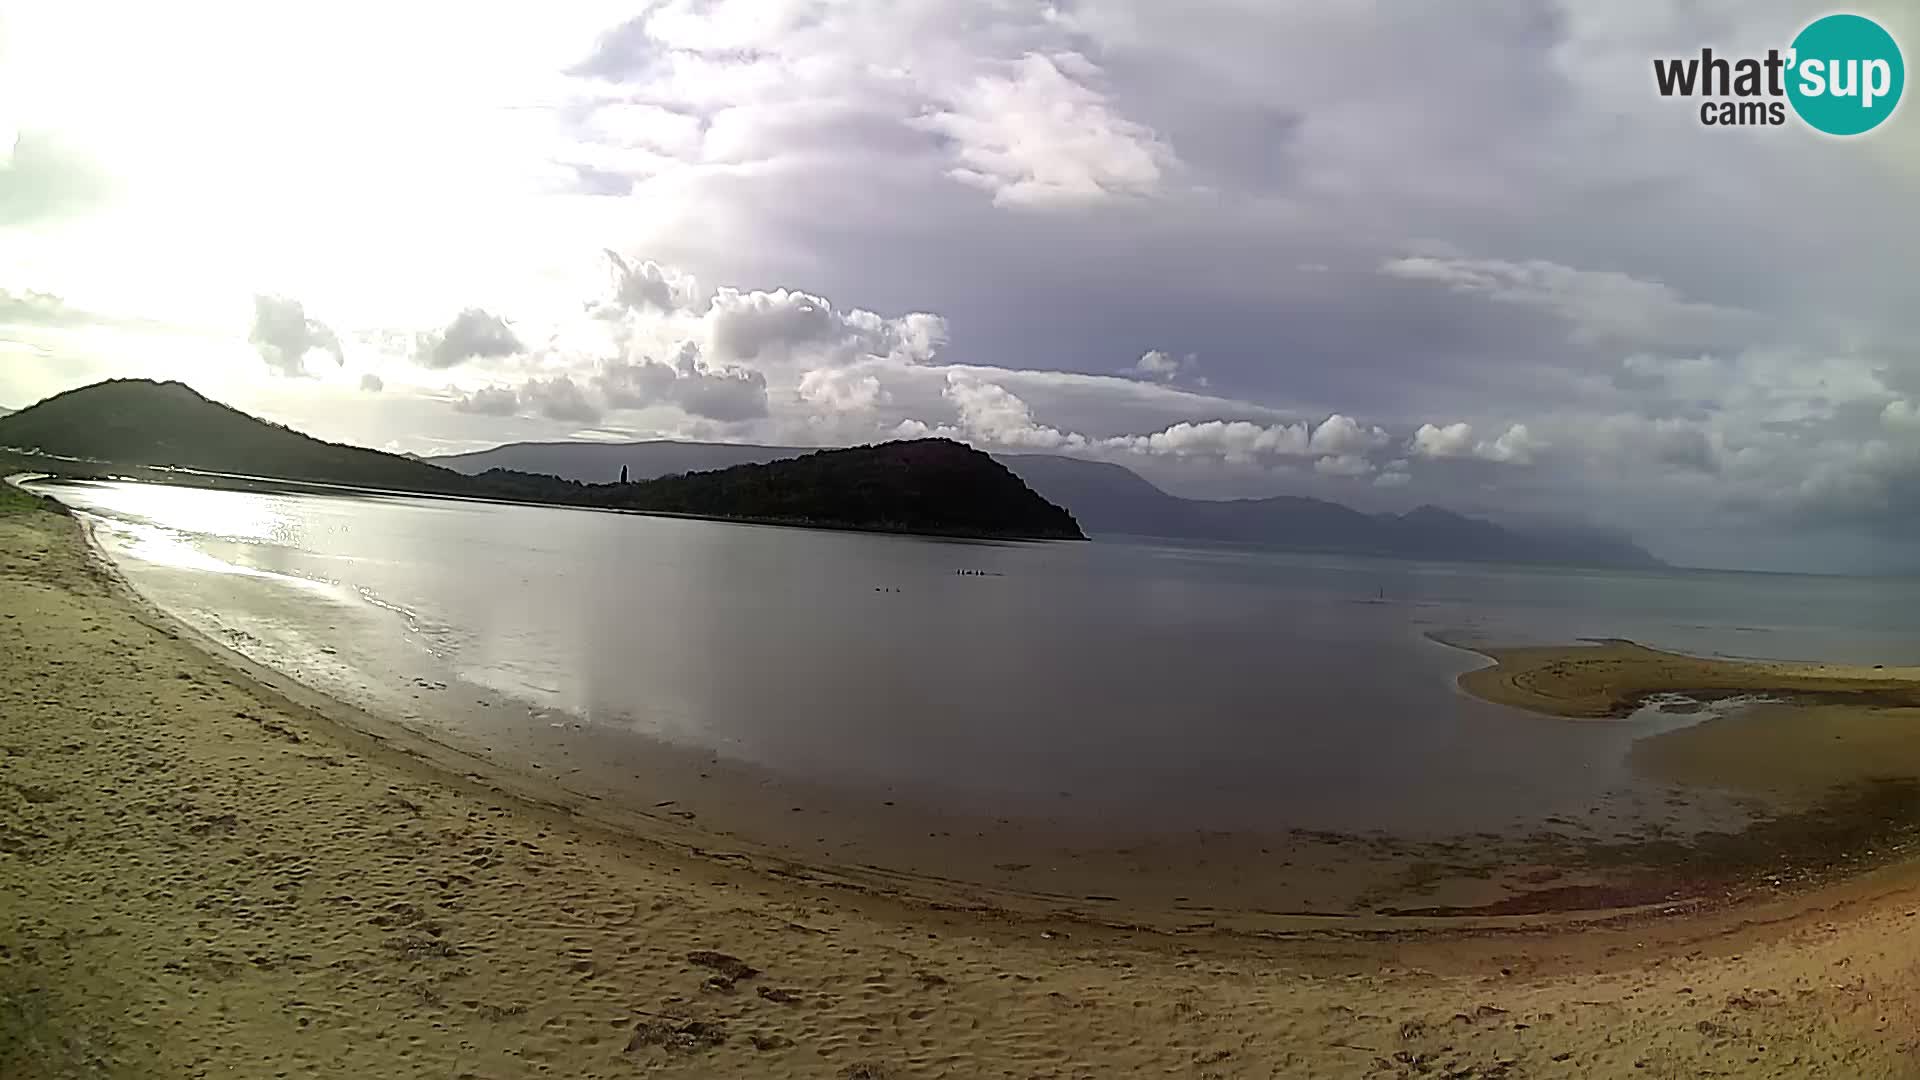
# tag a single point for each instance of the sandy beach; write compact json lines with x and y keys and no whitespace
{"x":204,"y":872}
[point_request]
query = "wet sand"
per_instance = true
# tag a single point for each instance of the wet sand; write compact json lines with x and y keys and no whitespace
{"x":205,"y":872}
{"x":1610,"y":679}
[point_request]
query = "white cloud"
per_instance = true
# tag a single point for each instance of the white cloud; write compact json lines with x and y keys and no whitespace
{"x":1900,"y":414}
{"x":1394,"y":475}
{"x":643,"y":285}
{"x":1514,"y":446}
{"x":1343,"y":465}
{"x":1037,"y":136}
{"x":994,"y":415}
{"x":473,"y":334}
{"x":284,"y":335}
{"x":1234,"y":440}
{"x":1166,"y":367}
{"x":842,"y":390}
{"x":777,"y":325}
{"x":726,"y":393}
{"x":559,"y":398}
{"x":1339,"y":434}
{"x":489,"y":401}
{"x":1454,"y":440}
{"x":1600,"y":306}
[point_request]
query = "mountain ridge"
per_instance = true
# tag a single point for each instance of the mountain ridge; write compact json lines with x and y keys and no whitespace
{"x":1107,"y":497}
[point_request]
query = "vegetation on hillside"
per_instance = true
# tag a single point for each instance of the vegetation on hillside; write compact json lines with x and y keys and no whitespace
{"x":932,"y":486}
{"x":924,"y":486}
{"x":140,"y":422}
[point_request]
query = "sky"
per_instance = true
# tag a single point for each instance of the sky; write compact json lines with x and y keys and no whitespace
{"x":1383,"y":252}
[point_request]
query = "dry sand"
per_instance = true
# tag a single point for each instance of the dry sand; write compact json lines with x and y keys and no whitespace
{"x":201,"y":875}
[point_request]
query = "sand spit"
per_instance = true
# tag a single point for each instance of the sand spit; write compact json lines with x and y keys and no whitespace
{"x":201,"y":876}
{"x":1610,"y":679}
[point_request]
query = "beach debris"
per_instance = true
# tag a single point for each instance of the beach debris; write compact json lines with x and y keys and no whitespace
{"x":867,"y":1070}
{"x":765,"y":1041}
{"x":684,"y":1036}
{"x":726,"y":969}
{"x":779,"y":995}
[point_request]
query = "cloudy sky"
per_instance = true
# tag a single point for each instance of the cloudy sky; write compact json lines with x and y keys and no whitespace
{"x":1385,"y":252}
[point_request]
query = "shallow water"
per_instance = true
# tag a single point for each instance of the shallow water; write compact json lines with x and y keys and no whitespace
{"x":1113,"y":682}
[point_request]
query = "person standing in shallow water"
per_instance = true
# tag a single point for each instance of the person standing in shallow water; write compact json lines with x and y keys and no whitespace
{"x":623,"y":474}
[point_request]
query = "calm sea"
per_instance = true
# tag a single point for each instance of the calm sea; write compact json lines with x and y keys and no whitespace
{"x":1206,"y":688}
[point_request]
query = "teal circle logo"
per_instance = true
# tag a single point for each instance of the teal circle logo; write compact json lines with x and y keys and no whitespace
{"x":1845,"y":74}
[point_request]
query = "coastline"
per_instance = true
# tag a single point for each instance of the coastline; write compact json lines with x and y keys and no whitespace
{"x":1609,"y":679}
{"x":202,"y":867}
{"x":279,"y":485}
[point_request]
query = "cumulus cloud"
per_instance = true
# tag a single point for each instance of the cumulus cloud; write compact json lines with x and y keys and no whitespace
{"x":1453,"y":440}
{"x":284,"y":335}
{"x":1039,"y":135}
{"x":842,"y":390}
{"x":372,"y":383}
{"x":994,"y":415}
{"x":1233,"y":440}
{"x":771,"y":326}
{"x":473,"y":334}
{"x":645,"y":285}
{"x":489,"y":401}
{"x":558,"y":397}
{"x":717,"y":392}
{"x":1900,"y":415}
{"x":1166,"y":367}
{"x":1514,"y":446}
{"x":1339,"y":434}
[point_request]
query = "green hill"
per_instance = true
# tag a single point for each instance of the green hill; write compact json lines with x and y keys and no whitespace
{"x":140,"y":422}
{"x":925,"y":486}
{"x":931,"y":486}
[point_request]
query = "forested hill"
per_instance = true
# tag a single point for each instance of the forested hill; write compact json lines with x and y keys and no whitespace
{"x":1111,"y":499}
{"x":140,"y":422}
{"x":925,"y":486}
{"x":931,"y":486}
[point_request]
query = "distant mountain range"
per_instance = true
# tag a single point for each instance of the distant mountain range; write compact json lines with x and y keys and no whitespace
{"x":933,"y":486}
{"x":1113,"y":499}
